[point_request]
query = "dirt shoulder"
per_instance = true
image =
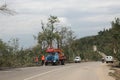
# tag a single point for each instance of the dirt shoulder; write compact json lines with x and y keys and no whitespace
{"x":103,"y":72}
{"x":116,"y":73}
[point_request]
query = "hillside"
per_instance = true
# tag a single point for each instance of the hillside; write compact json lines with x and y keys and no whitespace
{"x":107,"y":41}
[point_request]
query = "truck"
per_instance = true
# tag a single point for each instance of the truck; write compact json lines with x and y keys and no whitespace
{"x":54,"y":57}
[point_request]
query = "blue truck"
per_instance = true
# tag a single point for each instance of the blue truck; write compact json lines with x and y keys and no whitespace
{"x":54,"y":57}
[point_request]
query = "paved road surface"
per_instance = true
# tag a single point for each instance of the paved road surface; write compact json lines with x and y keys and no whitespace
{"x":79,"y":71}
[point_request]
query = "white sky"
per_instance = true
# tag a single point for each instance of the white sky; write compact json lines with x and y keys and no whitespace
{"x":85,"y":17}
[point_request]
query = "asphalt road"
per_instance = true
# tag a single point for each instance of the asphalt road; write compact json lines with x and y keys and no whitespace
{"x":78,"y":71}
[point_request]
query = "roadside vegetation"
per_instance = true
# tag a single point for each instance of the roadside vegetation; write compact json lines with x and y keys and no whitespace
{"x":116,"y":73}
{"x":53,"y":33}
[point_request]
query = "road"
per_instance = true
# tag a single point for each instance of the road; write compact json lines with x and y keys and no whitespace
{"x":78,"y":71}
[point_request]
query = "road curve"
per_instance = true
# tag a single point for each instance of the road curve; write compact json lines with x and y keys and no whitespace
{"x":79,"y":71}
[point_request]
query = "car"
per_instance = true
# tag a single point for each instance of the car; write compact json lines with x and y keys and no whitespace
{"x":109,"y":59}
{"x":77,"y":59}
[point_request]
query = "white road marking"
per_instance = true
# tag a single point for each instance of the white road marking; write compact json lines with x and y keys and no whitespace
{"x":29,"y":78}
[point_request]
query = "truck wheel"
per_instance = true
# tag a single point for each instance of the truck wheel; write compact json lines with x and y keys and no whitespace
{"x":46,"y":63}
{"x":62,"y":62}
{"x":111,"y":61}
{"x":53,"y":63}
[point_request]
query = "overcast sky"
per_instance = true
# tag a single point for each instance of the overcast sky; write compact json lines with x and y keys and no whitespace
{"x":85,"y":17}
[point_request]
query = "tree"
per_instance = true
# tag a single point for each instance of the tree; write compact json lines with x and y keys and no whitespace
{"x":61,"y":36}
{"x":5,"y":9}
{"x":14,"y":45}
{"x":48,"y":34}
{"x":116,"y":37}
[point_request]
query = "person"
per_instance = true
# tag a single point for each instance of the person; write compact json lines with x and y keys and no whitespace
{"x":36,"y":60}
{"x":103,"y":60}
{"x":42,"y":59}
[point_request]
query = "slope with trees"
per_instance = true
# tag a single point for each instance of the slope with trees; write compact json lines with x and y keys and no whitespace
{"x":107,"y":41}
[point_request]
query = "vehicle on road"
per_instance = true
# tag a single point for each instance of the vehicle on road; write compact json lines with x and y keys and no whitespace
{"x":77,"y":59}
{"x":109,"y":59}
{"x":55,"y":56}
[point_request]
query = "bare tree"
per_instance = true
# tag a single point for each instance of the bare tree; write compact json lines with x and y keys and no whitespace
{"x":5,"y":9}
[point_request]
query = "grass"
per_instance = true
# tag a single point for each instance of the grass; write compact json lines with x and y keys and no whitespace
{"x":116,"y":73}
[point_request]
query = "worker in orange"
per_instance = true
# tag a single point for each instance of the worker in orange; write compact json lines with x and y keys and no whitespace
{"x":36,"y":59}
{"x":42,"y":59}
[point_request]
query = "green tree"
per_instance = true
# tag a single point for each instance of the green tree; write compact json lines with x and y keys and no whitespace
{"x":48,"y":34}
{"x":116,"y":37}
